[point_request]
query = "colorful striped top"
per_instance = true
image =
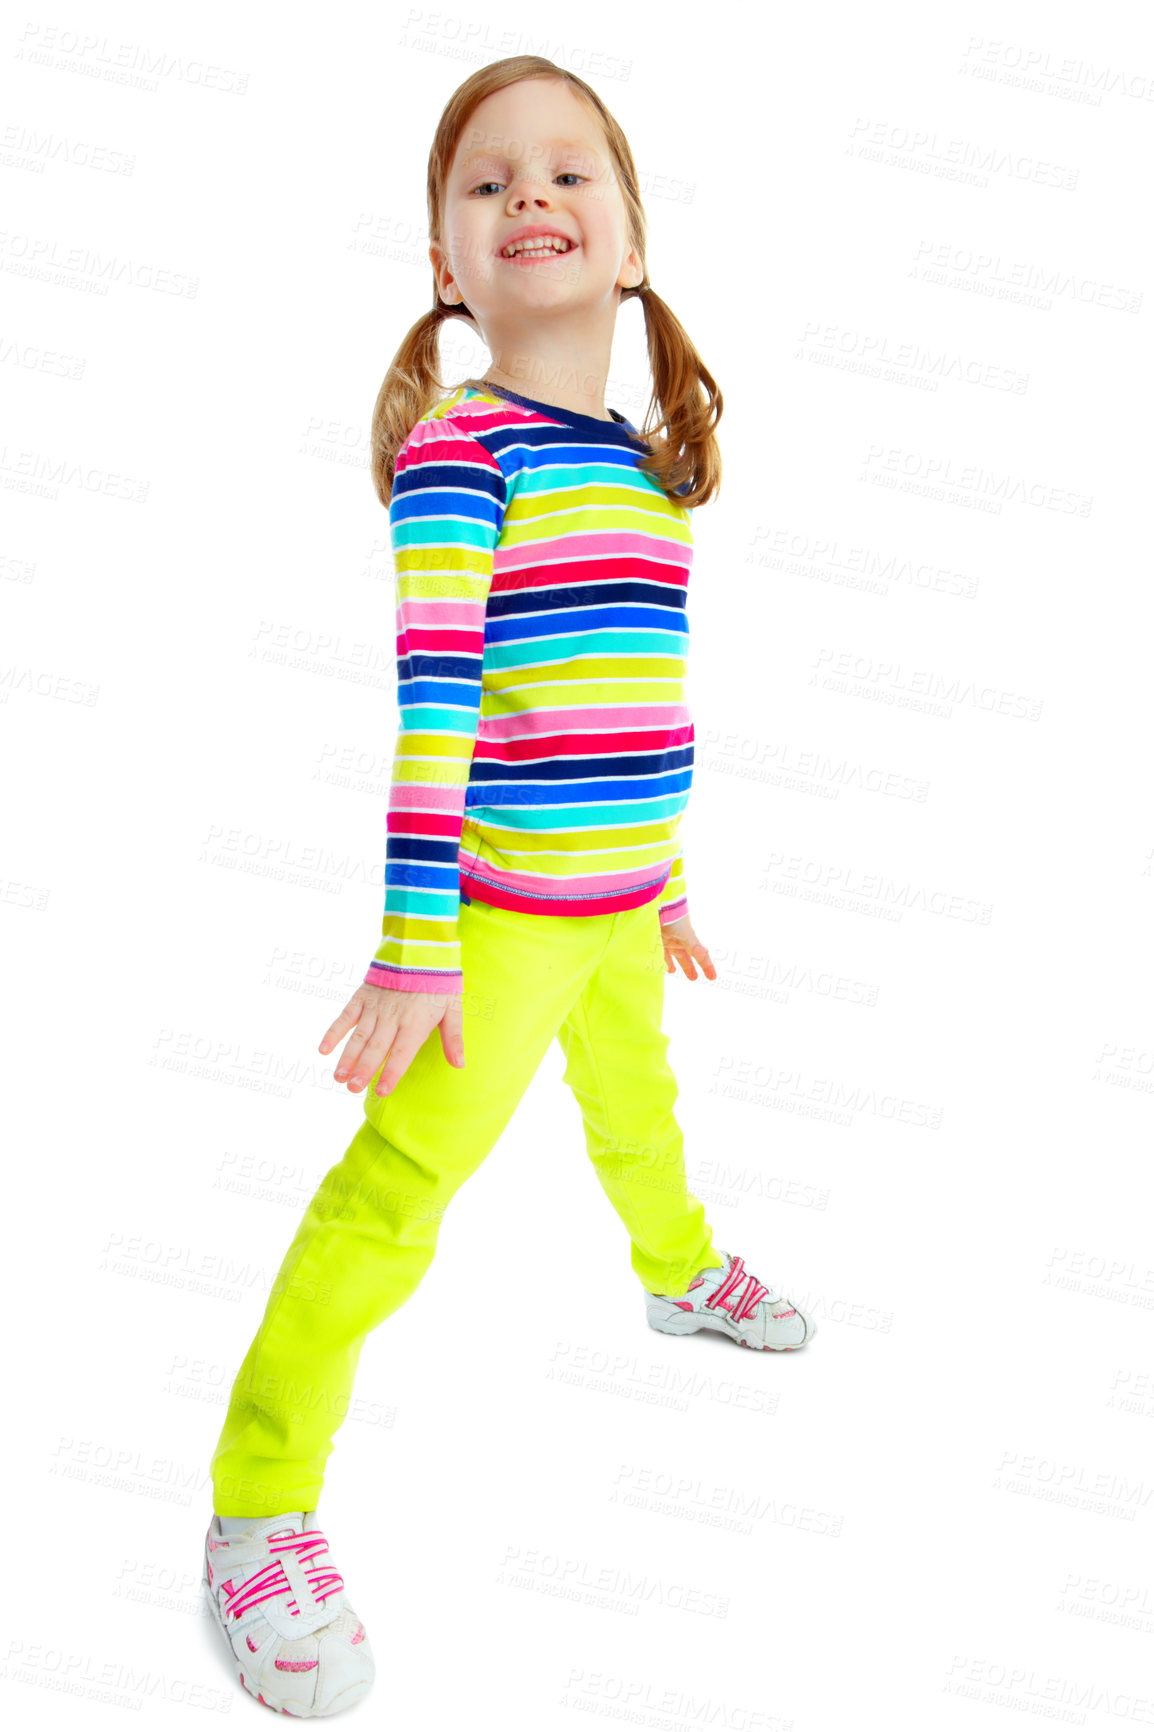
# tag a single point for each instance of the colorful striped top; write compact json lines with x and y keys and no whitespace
{"x":545,"y":750}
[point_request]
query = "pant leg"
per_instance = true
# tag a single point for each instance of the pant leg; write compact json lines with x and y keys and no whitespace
{"x":370,"y":1232}
{"x":618,"y":1071}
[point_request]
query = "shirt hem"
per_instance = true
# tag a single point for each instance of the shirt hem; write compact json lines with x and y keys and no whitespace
{"x":542,"y":902}
{"x":413,"y":979}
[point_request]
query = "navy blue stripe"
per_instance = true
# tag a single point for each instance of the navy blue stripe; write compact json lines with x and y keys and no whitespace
{"x":504,"y":602}
{"x":451,"y":477}
{"x":444,"y":667}
{"x":566,"y":443}
{"x":433,"y":849}
{"x":612,"y":766}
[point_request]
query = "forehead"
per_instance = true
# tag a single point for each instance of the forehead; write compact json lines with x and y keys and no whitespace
{"x":500,"y":147}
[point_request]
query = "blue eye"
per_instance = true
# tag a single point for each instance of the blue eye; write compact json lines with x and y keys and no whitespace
{"x":566,"y":174}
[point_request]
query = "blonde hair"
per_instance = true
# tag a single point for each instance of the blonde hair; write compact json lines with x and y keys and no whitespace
{"x":688,"y":450}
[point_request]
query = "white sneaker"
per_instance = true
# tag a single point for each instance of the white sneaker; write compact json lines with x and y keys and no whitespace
{"x":296,"y":1642}
{"x":732,"y":1301}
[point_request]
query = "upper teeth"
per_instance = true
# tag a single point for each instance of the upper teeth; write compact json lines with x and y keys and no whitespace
{"x":538,"y":244}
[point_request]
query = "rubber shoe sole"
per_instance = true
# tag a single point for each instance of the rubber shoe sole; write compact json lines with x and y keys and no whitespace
{"x":671,"y":1321}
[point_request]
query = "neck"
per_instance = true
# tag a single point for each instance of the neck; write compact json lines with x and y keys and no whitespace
{"x":564,"y":382}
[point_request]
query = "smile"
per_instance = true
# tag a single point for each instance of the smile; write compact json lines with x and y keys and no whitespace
{"x":537,"y":247}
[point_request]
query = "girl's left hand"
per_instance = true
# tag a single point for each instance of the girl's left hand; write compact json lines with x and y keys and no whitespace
{"x":683,"y":945}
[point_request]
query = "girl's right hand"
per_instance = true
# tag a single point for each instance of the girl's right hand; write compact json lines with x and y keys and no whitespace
{"x":395,"y":1025}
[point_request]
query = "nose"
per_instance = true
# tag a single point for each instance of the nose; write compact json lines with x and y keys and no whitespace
{"x":517,"y":200}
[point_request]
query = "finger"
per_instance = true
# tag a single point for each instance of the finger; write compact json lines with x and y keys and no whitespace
{"x":687,"y":965}
{"x":367,"y":1062}
{"x":452,"y":1034}
{"x":404,"y":1051}
{"x":341,"y":1026}
{"x":705,"y":960}
{"x":351,"y":1057}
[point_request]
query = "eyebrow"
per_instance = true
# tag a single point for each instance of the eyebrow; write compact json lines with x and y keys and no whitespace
{"x":480,"y":156}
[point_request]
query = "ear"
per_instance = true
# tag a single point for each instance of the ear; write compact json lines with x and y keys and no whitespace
{"x":446,"y":283}
{"x":632,"y":272}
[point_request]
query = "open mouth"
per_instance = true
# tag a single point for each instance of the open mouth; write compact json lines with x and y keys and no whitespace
{"x":537,"y":247}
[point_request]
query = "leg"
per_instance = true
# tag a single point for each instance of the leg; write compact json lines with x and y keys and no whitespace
{"x":617,"y":1069}
{"x":370,"y":1233}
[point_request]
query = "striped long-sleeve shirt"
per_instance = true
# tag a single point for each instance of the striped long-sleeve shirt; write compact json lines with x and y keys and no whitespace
{"x":545,"y":750}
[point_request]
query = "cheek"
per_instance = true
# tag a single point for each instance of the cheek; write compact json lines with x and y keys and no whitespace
{"x":603,"y":220}
{"x":472,"y":245}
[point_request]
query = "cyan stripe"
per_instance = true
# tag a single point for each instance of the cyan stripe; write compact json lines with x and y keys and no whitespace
{"x":551,"y":476}
{"x":670,"y":645}
{"x":436,"y":530}
{"x":510,"y":811}
{"x":428,"y":718}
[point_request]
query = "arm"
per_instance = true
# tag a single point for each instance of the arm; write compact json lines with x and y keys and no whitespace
{"x":445,"y":516}
{"x":681,"y":943}
{"x":674,"y":902}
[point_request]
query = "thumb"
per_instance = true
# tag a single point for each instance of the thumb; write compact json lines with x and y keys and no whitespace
{"x":453,"y":1033}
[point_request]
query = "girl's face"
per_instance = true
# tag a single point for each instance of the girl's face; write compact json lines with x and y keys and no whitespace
{"x":533,"y":156}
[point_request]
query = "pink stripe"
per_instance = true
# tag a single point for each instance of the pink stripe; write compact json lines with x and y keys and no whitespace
{"x":417,"y":796}
{"x":577,"y":752}
{"x":613,"y":544}
{"x":441,"y":639}
{"x":484,"y":417}
{"x":316,"y":1542}
{"x":559,"y":902}
{"x":442,"y":431}
{"x":380,"y":974}
{"x":323,"y":1583}
{"x":542,"y":883}
{"x":244,"y":1600}
{"x":460,"y":615}
{"x":723,"y":1292}
{"x":585,"y":718}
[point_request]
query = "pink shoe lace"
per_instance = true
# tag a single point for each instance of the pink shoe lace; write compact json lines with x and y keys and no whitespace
{"x":743,"y":1304}
{"x":267,"y":1584}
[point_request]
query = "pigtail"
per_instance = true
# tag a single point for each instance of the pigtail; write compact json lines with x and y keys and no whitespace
{"x":410,"y":387}
{"x":688,"y":455}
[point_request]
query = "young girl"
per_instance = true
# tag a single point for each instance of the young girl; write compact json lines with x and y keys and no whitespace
{"x":533,"y":872}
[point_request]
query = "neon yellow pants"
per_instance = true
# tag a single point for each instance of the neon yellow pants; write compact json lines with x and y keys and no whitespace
{"x":595,"y":983}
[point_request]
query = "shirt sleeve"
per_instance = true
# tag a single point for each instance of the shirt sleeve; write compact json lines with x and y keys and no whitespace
{"x":445,"y":516}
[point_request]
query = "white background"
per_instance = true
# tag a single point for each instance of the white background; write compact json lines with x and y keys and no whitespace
{"x":912,"y":246}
